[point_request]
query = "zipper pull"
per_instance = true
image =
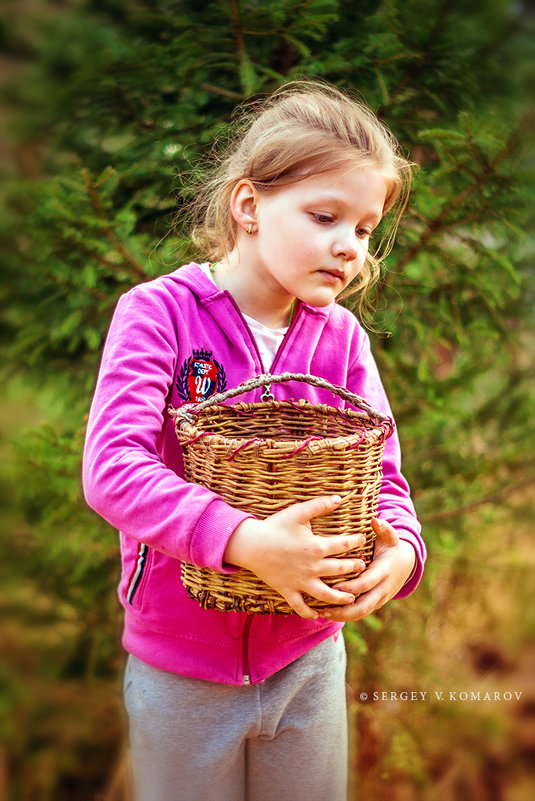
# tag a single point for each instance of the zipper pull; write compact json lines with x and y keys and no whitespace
{"x":246,"y":679}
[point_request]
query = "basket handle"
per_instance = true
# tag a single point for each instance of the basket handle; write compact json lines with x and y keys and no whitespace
{"x":265,"y":380}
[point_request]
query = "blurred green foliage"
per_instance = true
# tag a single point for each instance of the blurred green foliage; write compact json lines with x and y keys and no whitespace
{"x":110,"y":106}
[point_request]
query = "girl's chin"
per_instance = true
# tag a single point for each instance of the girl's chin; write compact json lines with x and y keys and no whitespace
{"x":320,"y":299}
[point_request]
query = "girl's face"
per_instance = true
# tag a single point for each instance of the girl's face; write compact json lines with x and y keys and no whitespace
{"x":312,"y":237}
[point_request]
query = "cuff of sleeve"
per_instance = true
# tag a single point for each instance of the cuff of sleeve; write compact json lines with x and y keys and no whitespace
{"x":418,"y":569}
{"x":212,"y":533}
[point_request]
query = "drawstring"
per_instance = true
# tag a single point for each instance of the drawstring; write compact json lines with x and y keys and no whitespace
{"x":291,"y":313}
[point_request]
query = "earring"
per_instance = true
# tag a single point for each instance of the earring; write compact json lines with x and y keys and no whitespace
{"x":250,"y":228}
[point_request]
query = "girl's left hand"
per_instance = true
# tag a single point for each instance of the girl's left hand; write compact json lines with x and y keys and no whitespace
{"x":392,"y":565}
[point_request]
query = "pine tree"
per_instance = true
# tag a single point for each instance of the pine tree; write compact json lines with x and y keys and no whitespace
{"x":117,"y":102}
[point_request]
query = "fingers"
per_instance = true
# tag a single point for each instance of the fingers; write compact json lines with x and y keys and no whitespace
{"x":330,"y":595}
{"x":385,"y":532}
{"x":320,"y":591}
{"x":367,"y":580}
{"x":298,"y":604}
{"x":339,"y":567}
{"x":375,"y":574}
{"x":354,"y":598}
{"x":306,"y":510}
{"x":341,"y":543}
{"x":386,"y":536}
{"x":372,"y":591}
{"x":324,"y":548}
{"x":363,"y":606}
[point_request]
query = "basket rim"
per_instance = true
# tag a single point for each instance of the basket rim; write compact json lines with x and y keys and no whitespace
{"x":369,"y":432}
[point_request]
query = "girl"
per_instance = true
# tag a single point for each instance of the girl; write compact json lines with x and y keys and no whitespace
{"x":228,"y":706}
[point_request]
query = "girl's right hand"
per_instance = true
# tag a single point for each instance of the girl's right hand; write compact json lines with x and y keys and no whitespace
{"x":283,"y":552}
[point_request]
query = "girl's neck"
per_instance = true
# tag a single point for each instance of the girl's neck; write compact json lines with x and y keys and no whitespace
{"x":252,"y":295}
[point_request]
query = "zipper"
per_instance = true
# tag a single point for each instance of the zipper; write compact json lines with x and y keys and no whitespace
{"x":251,"y":337}
{"x":253,"y":340}
{"x":245,"y":650}
{"x":246,"y":675}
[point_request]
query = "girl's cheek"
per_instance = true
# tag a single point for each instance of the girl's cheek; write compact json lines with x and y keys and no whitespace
{"x":309,"y":257}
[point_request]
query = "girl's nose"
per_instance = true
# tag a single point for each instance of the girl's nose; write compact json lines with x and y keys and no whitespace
{"x":346,"y":247}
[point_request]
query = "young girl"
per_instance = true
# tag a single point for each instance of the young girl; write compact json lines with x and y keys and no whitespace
{"x":230,"y":706}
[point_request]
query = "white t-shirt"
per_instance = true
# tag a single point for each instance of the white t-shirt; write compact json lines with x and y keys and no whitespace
{"x":267,"y":339}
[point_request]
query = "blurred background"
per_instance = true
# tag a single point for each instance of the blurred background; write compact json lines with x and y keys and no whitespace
{"x":106,"y":107}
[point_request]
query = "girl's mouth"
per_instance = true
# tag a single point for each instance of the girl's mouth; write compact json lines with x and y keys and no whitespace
{"x":332,"y":276}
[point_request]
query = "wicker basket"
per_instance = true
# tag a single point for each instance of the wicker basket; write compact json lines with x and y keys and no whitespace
{"x":262,"y":457}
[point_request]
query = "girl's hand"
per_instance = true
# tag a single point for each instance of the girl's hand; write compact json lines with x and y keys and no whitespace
{"x":392,"y":565}
{"x":283,"y":552}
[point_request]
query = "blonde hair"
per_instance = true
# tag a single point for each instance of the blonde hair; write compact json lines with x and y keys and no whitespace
{"x":304,"y":128}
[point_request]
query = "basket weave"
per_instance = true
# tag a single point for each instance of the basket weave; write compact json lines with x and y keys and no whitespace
{"x":262,"y":457}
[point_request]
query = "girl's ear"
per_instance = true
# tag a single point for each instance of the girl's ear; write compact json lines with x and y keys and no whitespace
{"x":243,"y":202}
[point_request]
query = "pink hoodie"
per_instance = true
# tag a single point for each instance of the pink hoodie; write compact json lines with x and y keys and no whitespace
{"x":179,"y":338}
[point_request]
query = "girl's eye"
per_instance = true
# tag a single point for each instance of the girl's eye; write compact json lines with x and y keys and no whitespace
{"x":363,"y":232}
{"x":324,"y":219}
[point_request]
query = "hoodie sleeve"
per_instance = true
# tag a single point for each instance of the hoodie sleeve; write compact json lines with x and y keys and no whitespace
{"x":124,"y":478}
{"x":395,"y":504}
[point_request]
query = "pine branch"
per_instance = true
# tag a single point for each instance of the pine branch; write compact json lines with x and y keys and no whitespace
{"x":245,"y":68}
{"x":462,"y":167}
{"x":477,"y":152}
{"x":238,"y":29}
{"x":219,"y":91}
{"x":98,"y":259}
{"x":110,"y":233}
{"x":420,"y":58}
{"x":470,"y":507}
{"x":440,"y":221}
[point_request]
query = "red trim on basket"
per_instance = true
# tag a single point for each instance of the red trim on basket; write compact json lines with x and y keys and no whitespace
{"x":388,"y":427}
{"x":198,"y":437}
{"x":304,"y":445}
{"x":346,"y":418}
{"x":359,"y":442}
{"x":295,"y":404}
{"x":242,"y":446}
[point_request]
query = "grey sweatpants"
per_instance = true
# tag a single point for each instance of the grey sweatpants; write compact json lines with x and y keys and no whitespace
{"x":284,"y":739}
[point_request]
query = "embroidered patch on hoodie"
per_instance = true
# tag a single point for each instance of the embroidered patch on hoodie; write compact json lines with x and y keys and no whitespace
{"x":200,"y":377}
